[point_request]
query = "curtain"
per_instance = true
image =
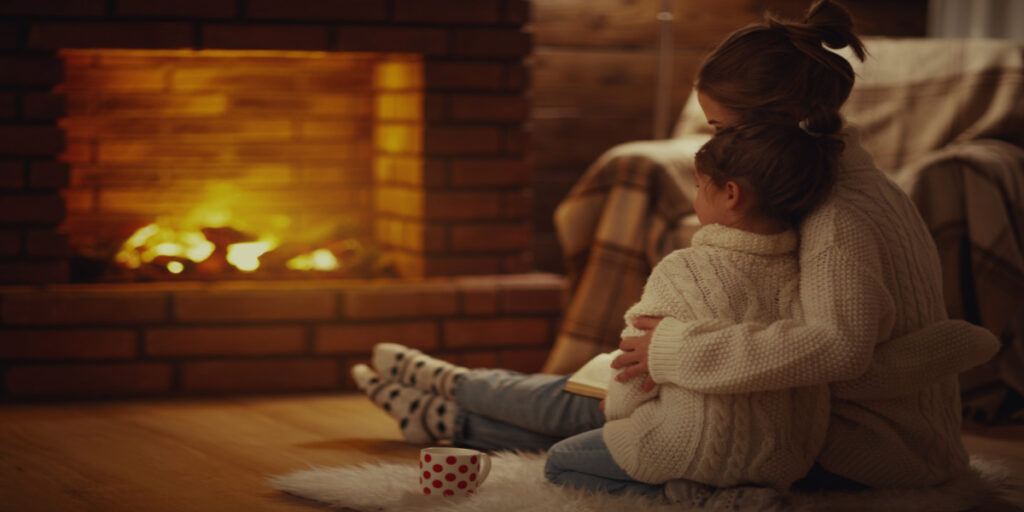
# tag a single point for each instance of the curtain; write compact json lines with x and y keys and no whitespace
{"x":991,"y":19}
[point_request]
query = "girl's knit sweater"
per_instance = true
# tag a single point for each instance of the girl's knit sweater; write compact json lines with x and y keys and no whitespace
{"x":768,"y":438}
{"x":871,"y":294}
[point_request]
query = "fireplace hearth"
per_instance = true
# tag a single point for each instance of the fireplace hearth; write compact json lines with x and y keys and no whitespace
{"x":234,"y":164}
{"x":450,"y":191}
{"x":427,"y":173}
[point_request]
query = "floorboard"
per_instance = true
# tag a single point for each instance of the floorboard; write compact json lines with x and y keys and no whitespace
{"x":215,"y":454}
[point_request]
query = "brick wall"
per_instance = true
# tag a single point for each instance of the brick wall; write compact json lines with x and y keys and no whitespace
{"x":101,"y":341}
{"x":473,"y":146}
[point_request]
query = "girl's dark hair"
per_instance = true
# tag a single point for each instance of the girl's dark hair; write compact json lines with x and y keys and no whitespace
{"x":779,"y":69}
{"x":787,"y":170}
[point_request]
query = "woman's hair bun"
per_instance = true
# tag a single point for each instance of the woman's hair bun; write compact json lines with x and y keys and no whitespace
{"x":822,"y":121}
{"x":826,"y":22}
{"x":835,"y":26}
{"x":743,"y":72}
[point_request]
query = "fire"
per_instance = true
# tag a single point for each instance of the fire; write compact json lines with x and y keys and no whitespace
{"x":166,"y":247}
{"x":320,"y":259}
{"x":152,"y":241}
{"x":245,"y":256}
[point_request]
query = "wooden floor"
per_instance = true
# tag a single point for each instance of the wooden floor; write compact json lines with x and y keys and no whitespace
{"x":214,"y":455}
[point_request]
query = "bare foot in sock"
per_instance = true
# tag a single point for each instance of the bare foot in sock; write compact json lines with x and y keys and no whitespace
{"x":413,"y":368}
{"x":422,"y":416}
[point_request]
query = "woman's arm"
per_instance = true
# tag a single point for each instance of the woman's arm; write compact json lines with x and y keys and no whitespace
{"x":847,"y":310}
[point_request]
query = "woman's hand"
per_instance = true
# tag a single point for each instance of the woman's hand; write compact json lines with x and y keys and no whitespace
{"x":634,"y":360}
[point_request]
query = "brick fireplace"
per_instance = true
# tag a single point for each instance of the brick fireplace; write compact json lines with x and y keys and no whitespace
{"x":440,"y":182}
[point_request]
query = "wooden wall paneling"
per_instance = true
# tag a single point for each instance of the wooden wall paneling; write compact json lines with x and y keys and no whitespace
{"x":574,"y":81}
{"x":632,"y":23}
{"x":594,"y":72}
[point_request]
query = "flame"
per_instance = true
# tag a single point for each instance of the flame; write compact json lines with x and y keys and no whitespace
{"x":245,"y":256}
{"x":154,"y":241}
{"x":320,"y":259}
{"x":151,"y":241}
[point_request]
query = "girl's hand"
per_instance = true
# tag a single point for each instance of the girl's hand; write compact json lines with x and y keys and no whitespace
{"x":634,"y":360}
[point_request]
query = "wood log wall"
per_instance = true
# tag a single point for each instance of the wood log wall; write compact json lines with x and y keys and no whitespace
{"x":594,"y":73}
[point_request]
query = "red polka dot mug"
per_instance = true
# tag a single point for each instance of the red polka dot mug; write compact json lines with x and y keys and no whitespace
{"x":452,"y":471}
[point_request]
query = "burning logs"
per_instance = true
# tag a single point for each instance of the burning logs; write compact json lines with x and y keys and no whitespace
{"x":154,"y":252}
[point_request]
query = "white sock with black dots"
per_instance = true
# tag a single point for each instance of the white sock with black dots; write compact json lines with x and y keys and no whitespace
{"x":414,"y":368}
{"x":423,"y":416}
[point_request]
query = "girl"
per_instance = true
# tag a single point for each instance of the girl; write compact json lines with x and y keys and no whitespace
{"x":754,"y":184}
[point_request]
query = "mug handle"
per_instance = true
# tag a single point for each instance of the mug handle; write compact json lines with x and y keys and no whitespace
{"x":485,"y":467}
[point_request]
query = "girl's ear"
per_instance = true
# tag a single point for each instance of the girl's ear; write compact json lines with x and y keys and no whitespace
{"x":735,"y":198}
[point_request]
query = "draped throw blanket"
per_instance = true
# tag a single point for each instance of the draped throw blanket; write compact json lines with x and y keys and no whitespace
{"x":971,"y":195}
{"x":944,"y":118}
{"x":617,"y":222}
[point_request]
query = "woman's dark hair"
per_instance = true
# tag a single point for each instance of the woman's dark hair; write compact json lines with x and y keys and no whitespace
{"x":787,"y":170}
{"x":780,"y":69}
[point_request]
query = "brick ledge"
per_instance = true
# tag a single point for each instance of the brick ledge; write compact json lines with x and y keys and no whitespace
{"x":170,"y":339}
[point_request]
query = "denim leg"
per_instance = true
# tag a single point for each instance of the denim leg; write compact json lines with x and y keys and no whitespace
{"x":482,"y":433}
{"x":534,"y":403}
{"x":584,"y":462}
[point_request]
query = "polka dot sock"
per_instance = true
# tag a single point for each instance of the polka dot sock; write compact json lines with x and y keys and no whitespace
{"x":413,"y":368}
{"x":423,"y":416}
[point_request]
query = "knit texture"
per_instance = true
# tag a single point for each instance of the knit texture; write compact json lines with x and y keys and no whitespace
{"x":869,"y":282}
{"x":766,"y":438}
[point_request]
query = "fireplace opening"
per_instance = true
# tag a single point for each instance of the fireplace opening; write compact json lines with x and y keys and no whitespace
{"x":213,"y":164}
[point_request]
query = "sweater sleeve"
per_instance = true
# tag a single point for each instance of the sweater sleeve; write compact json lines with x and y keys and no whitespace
{"x":905,"y":364}
{"x":624,"y":397}
{"x":659,"y":298}
{"x":847,"y":309}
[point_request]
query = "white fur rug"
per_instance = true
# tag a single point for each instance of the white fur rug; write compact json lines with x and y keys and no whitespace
{"x":517,"y":483}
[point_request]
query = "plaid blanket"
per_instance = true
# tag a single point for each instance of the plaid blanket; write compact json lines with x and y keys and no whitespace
{"x":618,"y":221}
{"x":972,"y":197}
{"x":945,"y":118}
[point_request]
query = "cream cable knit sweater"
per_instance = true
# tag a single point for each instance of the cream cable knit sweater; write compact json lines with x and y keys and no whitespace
{"x":768,"y":438}
{"x":870,"y":284}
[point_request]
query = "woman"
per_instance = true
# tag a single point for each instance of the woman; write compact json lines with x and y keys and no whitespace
{"x":874,"y":321}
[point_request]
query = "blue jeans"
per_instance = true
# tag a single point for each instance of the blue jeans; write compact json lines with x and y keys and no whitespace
{"x":584,"y":462}
{"x":506,"y":410}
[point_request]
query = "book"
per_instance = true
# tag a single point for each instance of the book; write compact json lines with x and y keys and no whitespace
{"x":593,"y":378}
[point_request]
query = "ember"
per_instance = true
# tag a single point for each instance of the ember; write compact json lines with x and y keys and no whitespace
{"x":155,"y":251}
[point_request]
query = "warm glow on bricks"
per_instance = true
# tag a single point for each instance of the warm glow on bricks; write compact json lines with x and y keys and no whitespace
{"x":399,"y":138}
{"x":399,"y":75}
{"x":281,"y":145}
{"x":396,"y":151}
{"x":399,"y":106}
